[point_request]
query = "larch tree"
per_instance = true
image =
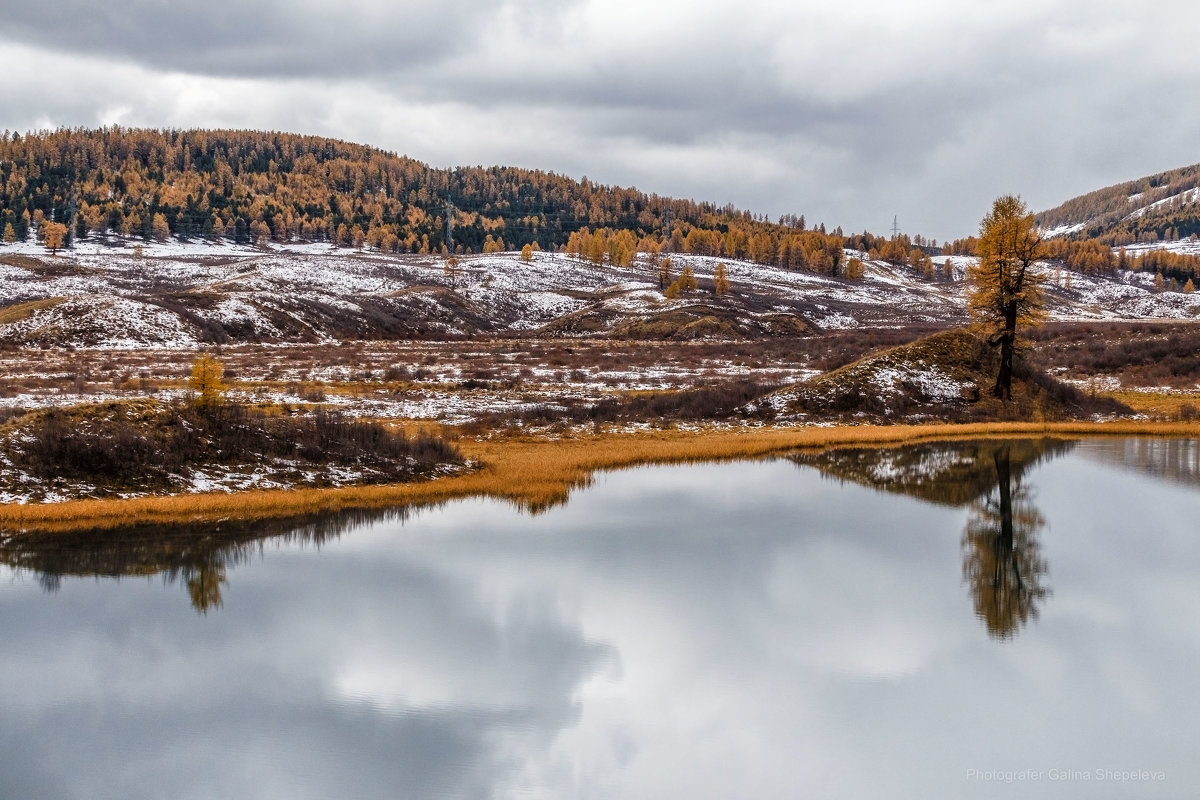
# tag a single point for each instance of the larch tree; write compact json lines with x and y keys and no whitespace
{"x":1005,"y":287}
{"x":527,"y":253}
{"x":206,"y":381}
{"x":687,"y":279}
{"x":664,"y":274}
{"x":160,"y":231}
{"x":10,"y":233}
{"x":720,"y":280}
{"x":54,"y":234}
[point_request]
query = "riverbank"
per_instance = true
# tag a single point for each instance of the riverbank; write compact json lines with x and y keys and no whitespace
{"x":536,"y":473}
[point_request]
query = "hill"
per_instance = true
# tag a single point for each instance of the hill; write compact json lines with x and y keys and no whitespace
{"x":945,"y":376}
{"x":186,"y":295}
{"x":1163,"y":207}
{"x":255,"y":187}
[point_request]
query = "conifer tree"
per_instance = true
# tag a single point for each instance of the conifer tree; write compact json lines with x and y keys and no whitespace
{"x":1005,"y":287}
{"x":206,"y":381}
{"x":53,"y":235}
{"x":720,"y":280}
{"x":687,"y":279}
{"x":159,"y":229}
{"x":664,"y":274}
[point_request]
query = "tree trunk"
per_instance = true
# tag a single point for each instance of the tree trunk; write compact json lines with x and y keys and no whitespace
{"x":1008,"y":343}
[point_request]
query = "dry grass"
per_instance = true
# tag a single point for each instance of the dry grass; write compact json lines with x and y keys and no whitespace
{"x":536,"y":474}
{"x":1160,"y":405}
{"x":23,"y":311}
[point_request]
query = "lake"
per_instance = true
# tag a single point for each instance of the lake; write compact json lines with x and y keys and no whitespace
{"x":1011,"y":619}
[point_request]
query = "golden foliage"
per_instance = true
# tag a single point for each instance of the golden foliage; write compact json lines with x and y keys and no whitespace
{"x":720,"y":280}
{"x":206,"y":381}
{"x":53,"y":235}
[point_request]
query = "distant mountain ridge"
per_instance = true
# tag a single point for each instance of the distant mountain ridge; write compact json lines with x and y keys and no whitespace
{"x":257,"y":187}
{"x":1162,"y":207}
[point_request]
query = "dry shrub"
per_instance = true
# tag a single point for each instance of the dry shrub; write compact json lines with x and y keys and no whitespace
{"x":120,"y":443}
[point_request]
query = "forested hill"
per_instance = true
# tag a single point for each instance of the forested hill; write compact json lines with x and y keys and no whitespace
{"x":250,"y":186}
{"x":1162,"y":207}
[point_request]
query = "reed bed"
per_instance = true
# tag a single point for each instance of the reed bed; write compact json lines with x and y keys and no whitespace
{"x":536,"y":474}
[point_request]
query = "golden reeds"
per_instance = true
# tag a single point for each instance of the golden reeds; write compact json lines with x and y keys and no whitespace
{"x":538,"y":473}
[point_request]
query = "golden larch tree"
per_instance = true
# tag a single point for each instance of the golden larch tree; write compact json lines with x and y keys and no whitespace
{"x":1005,"y":287}
{"x":53,"y":235}
{"x":206,"y":381}
{"x":720,"y":280}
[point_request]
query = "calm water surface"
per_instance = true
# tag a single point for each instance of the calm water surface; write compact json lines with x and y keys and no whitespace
{"x":1008,"y":619}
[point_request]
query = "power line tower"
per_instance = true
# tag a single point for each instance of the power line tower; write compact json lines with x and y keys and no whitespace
{"x":895,"y":226}
{"x":449,"y":225}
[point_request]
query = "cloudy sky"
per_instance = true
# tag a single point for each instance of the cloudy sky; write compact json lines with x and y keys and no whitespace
{"x":848,"y":112}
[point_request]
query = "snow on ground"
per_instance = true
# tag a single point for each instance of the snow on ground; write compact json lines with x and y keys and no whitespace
{"x":159,"y":299}
{"x":1062,"y":230}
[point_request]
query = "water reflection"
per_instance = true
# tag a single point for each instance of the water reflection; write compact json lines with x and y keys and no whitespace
{"x":1174,"y":460}
{"x":1002,"y":562}
{"x":197,"y":556}
{"x":705,"y":631}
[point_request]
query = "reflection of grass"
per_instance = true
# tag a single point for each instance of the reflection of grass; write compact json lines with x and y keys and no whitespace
{"x":535,"y":474}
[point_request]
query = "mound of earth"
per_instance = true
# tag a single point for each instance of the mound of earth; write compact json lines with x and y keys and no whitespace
{"x":946,"y":376}
{"x":123,"y":449}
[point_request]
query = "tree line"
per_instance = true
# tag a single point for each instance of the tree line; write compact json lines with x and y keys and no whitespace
{"x":252,"y":187}
{"x":1167,"y":207}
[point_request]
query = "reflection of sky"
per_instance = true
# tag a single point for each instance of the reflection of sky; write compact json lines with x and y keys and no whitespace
{"x":738,"y":630}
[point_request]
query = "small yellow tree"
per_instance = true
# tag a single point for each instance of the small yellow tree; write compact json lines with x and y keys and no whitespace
{"x":10,"y":233}
{"x":687,"y":279}
{"x":664,"y":274}
{"x":54,"y":233}
{"x":206,"y":381}
{"x":160,"y":231}
{"x":720,"y":280}
{"x":527,"y":253}
{"x":855,"y":269}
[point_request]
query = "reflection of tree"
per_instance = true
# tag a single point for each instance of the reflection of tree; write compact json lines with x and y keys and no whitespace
{"x":204,"y":586}
{"x":194,"y":555}
{"x":1002,"y":559}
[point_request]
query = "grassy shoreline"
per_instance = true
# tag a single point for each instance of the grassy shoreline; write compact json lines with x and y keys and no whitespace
{"x":535,"y":474}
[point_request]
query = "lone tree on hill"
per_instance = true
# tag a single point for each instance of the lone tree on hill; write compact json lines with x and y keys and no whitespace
{"x":1005,"y":289}
{"x":206,"y":381}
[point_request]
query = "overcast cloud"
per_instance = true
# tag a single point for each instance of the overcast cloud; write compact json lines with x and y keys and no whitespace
{"x":848,"y":112}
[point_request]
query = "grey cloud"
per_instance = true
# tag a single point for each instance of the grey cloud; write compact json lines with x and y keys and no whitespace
{"x":274,"y":38}
{"x":777,"y":109}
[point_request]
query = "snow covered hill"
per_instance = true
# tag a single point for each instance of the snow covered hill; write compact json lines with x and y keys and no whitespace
{"x":178,"y":295}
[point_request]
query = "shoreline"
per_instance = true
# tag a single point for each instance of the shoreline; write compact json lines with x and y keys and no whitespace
{"x":536,"y":474}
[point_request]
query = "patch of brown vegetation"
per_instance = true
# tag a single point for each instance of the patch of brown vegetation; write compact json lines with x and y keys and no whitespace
{"x":23,"y":311}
